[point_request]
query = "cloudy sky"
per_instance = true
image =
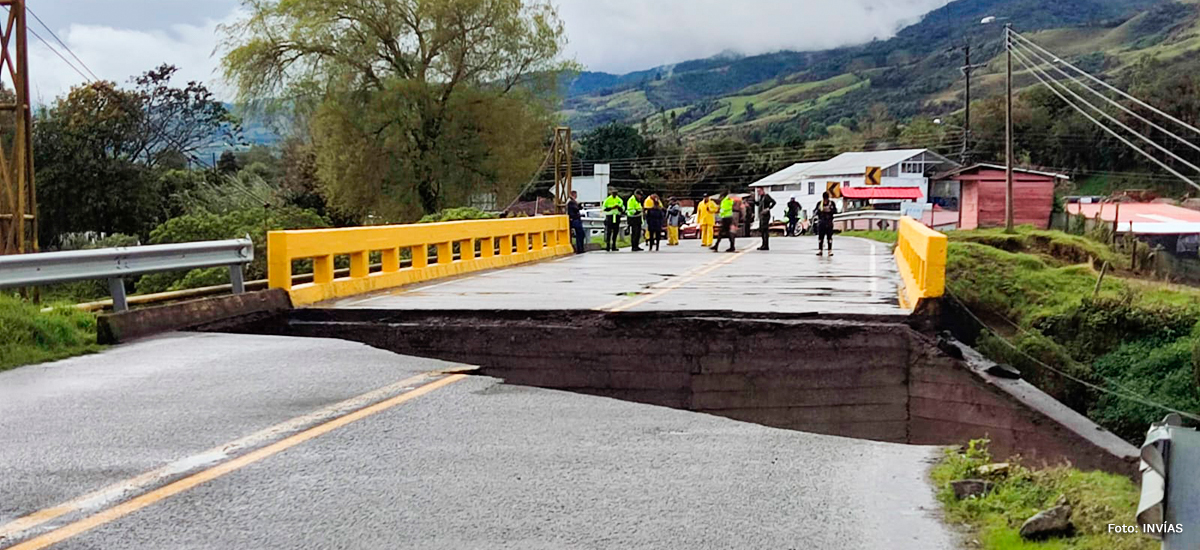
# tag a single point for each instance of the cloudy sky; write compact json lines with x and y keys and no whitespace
{"x":119,"y":38}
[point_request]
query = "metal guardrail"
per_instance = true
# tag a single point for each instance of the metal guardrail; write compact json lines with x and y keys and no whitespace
{"x":921,"y":259}
{"x":848,"y":219}
{"x":115,"y":264}
{"x":483,"y":244}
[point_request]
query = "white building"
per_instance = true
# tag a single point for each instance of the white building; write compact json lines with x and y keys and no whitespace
{"x":592,"y":189}
{"x":906,"y":179}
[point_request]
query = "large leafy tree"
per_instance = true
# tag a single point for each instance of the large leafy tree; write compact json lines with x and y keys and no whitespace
{"x":415,"y":104}
{"x":98,"y":150}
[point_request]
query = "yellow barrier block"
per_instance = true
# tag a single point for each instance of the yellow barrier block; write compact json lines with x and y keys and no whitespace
{"x":502,"y":243}
{"x":921,"y":258}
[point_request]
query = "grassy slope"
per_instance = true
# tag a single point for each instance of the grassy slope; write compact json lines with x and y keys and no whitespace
{"x":1097,"y":500}
{"x":27,"y":335}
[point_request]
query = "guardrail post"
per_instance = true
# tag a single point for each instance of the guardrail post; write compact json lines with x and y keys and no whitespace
{"x":445,"y":253}
{"x":236,"y":279}
{"x":279,"y":265}
{"x":539,"y":240}
{"x":487,"y":247}
{"x":360,"y":264}
{"x":420,"y":256}
{"x":506,"y":245}
{"x":391,"y":260}
{"x":466,"y":250}
{"x":323,"y":270}
{"x":116,"y":287}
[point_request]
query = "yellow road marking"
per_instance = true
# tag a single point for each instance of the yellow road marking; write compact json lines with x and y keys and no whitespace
{"x":678,"y":283}
{"x":199,"y":478}
{"x":102,"y":497}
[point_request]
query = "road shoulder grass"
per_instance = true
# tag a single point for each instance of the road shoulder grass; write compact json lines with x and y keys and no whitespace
{"x":28,"y":335}
{"x":1097,"y":500}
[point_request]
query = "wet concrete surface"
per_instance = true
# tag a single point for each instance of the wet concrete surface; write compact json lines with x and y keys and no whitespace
{"x":861,"y":279}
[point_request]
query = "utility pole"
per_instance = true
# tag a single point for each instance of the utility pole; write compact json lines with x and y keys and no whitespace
{"x":18,"y":197}
{"x":1008,"y":133}
{"x":562,"y":168}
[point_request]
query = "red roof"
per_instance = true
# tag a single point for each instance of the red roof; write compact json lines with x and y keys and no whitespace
{"x":884,"y":193}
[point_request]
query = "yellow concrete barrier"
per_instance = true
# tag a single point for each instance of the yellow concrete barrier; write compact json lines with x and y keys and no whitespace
{"x":483,"y":244}
{"x":921,"y":258}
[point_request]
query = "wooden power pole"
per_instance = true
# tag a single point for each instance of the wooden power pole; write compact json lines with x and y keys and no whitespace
{"x":18,"y":197}
{"x":1008,"y":135}
{"x":562,"y":168}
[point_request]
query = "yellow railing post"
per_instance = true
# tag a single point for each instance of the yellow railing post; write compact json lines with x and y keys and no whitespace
{"x":391,"y":260}
{"x":466,"y":250}
{"x":323,"y":269}
{"x":279,"y":265}
{"x":360,"y":264}
{"x":445,"y":253}
{"x":420,"y":256}
{"x":487,"y":247}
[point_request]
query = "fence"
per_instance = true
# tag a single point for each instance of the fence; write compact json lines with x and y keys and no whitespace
{"x":115,"y":264}
{"x":481,"y":244}
{"x":921,"y":258}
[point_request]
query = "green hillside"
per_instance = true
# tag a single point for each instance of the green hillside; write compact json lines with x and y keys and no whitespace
{"x":915,"y":73}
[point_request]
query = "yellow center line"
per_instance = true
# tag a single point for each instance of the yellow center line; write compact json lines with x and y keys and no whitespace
{"x":709,"y":268}
{"x":199,"y":478}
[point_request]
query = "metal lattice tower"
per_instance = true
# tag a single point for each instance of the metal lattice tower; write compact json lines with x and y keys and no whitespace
{"x":18,"y":197}
{"x":562,"y":167}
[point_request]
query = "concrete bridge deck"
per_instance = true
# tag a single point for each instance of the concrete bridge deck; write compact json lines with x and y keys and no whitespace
{"x":861,"y":279}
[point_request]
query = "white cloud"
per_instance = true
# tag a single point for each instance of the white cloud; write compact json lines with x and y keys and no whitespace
{"x":122,"y":38}
{"x":118,"y":54}
{"x":628,"y":35}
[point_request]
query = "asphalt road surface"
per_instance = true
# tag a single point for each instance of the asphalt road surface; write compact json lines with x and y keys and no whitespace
{"x":860,"y":279}
{"x":171,"y":441}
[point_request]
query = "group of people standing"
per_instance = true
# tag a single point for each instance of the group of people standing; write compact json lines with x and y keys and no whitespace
{"x":659,"y":218}
{"x":669,"y":218}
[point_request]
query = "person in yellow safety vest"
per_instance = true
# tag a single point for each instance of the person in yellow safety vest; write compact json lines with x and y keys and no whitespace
{"x":706,"y":218}
{"x":633,"y":209}
{"x":613,"y":207}
{"x":726,"y":214}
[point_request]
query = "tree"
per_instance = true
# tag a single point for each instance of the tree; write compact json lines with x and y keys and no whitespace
{"x":228,"y":163}
{"x":419,"y":103}
{"x":97,"y":152}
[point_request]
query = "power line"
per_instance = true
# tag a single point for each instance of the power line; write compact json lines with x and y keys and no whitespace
{"x":60,"y":41}
{"x":1106,"y":85}
{"x":1039,"y":75}
{"x":1181,"y":139}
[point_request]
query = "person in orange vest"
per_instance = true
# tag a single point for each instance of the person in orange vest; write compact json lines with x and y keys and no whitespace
{"x":706,"y":217}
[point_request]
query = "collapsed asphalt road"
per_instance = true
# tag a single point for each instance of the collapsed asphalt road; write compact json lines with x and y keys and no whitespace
{"x":470,"y":462}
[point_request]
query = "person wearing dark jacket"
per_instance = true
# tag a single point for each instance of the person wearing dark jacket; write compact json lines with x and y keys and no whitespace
{"x":575,"y":214}
{"x":765,"y":203}
{"x":824,"y":212}
{"x":656,"y":215}
{"x":793,"y":217}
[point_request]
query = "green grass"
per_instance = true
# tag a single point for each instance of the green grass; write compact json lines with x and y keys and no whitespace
{"x":881,"y":236}
{"x":1097,"y":499}
{"x":28,"y":336}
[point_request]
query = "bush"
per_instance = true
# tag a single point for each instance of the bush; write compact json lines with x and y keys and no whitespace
{"x":255,"y":222}
{"x":458,"y":214}
{"x":28,"y":335}
{"x":1159,"y":370}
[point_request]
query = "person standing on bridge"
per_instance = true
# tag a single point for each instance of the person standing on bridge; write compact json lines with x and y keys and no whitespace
{"x":765,"y":204}
{"x":656,"y":216}
{"x":727,"y":228}
{"x":706,"y":218}
{"x":674,"y":222}
{"x":793,"y":217}
{"x":575,"y":214}
{"x":633,"y":209}
{"x":824,"y":213}
{"x":613,"y":207}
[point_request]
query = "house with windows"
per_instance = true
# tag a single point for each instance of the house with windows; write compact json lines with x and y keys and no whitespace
{"x":907,"y":179}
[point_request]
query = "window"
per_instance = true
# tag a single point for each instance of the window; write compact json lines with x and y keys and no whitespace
{"x":912,"y":168}
{"x":812,"y":188}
